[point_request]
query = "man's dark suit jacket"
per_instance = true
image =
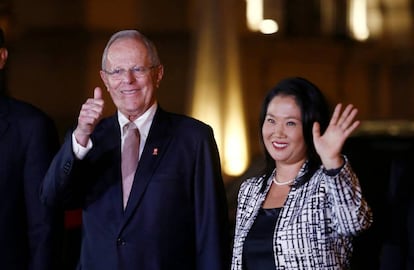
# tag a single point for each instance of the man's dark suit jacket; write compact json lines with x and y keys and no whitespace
{"x":176,"y":216}
{"x":28,"y":142}
{"x":398,"y":243}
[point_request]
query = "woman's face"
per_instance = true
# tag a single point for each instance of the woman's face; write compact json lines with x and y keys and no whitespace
{"x":282,"y":131}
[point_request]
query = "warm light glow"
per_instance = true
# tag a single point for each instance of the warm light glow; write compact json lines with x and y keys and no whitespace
{"x":375,"y":22}
{"x":255,"y":20}
{"x":235,"y":152}
{"x":217,"y":96}
{"x":268,"y":26}
{"x":358,"y":19}
{"x":206,"y":100}
{"x":254,"y":14}
{"x":235,"y":158}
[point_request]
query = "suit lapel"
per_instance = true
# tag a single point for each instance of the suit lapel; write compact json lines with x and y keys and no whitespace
{"x":107,"y":141}
{"x":157,"y":142}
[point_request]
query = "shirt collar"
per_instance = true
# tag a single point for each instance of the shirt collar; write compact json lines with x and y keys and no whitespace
{"x":143,"y":122}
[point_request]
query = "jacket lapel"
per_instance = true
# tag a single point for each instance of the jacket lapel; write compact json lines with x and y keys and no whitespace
{"x":107,"y":142}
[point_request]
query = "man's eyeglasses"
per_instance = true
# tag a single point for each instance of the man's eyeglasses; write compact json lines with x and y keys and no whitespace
{"x":137,"y":72}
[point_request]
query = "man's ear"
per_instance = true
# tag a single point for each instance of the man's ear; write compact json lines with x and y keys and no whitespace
{"x":104,"y":78}
{"x":3,"y":57}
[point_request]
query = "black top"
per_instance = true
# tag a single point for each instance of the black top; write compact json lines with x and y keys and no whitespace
{"x":258,"y":246}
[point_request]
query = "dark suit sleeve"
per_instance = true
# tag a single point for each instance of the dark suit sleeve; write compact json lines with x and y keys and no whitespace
{"x":212,"y":228}
{"x":55,"y":189}
{"x":44,"y":223}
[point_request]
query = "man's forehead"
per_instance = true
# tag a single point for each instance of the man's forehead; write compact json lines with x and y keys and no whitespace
{"x":124,"y":50}
{"x":129,"y":42}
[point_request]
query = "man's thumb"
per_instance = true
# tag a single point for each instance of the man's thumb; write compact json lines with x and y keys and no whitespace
{"x":97,"y":93}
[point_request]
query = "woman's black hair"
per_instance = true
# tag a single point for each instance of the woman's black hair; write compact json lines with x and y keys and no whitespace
{"x":313,"y":107}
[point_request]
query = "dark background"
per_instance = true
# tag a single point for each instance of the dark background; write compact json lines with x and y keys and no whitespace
{"x":55,"y":49}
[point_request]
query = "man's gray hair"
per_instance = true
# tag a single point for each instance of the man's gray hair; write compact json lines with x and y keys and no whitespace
{"x":133,"y":34}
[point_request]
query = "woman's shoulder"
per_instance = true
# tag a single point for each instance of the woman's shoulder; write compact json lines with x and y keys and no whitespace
{"x":251,"y":182}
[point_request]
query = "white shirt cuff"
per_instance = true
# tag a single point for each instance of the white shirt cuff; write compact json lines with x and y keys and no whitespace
{"x":80,"y":151}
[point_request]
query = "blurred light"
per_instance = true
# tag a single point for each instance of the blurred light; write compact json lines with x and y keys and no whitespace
{"x":375,"y":22}
{"x":224,"y":115}
{"x":358,"y":19}
{"x":254,"y":14}
{"x":217,"y":98}
{"x":255,"y":20}
{"x":206,"y":100}
{"x":235,"y":152}
{"x":268,"y":26}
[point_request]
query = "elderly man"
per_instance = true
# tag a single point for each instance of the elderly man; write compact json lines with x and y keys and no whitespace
{"x":149,"y":181}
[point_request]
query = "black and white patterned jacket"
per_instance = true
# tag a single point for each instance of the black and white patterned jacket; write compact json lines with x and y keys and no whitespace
{"x":316,"y":225}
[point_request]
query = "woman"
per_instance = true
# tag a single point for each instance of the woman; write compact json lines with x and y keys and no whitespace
{"x":306,"y":207}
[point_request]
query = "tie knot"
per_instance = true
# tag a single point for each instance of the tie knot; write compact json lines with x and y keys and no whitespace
{"x":130,"y":131}
{"x":130,"y":125}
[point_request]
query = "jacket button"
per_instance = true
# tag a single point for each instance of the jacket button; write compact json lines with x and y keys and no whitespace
{"x":120,"y":242}
{"x":67,"y":167}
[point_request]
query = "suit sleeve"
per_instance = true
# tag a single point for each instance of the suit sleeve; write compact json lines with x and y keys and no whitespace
{"x":44,"y":223}
{"x":212,"y":228}
{"x":351,"y":211}
{"x":57,"y":183}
